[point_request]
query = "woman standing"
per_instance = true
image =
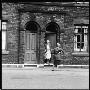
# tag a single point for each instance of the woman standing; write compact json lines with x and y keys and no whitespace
{"x":48,"y":52}
{"x":58,"y":51}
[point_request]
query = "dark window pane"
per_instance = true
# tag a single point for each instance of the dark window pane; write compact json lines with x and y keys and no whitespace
{"x":82,"y":38}
{"x":78,"y":38}
{"x":79,"y":30}
{"x":82,"y":30}
{"x":82,"y":45}
{"x":78,"y":45}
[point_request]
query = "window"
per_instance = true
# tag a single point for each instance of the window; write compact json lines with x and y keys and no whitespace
{"x":4,"y":31}
{"x":80,"y":38}
{"x":3,"y":35}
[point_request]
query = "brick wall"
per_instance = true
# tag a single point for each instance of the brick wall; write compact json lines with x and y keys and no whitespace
{"x":9,"y":11}
{"x":17,"y":21}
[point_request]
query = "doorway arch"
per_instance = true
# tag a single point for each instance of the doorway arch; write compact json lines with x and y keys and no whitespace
{"x":52,"y":33}
{"x":32,"y":30}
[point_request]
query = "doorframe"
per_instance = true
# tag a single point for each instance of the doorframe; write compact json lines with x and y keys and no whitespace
{"x":37,"y":39}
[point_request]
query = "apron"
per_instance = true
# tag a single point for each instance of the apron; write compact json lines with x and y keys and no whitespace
{"x":48,"y":53}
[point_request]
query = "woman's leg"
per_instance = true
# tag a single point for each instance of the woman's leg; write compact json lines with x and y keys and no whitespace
{"x":45,"y":61}
{"x":55,"y":63}
{"x":49,"y":60}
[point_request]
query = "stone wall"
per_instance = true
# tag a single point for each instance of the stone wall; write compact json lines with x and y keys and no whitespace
{"x":16,"y":26}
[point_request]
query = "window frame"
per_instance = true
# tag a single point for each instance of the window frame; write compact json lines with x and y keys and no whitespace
{"x":80,"y":34}
{"x":4,"y":51}
{"x":81,"y":53}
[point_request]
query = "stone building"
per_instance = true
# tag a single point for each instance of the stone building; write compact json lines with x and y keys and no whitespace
{"x":26,"y":27}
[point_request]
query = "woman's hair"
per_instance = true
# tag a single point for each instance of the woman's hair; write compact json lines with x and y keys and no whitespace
{"x":48,"y":41}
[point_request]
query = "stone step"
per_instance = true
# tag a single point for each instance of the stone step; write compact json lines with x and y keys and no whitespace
{"x":42,"y":66}
{"x":73,"y":66}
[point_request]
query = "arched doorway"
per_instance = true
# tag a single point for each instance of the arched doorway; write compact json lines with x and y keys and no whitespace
{"x":31,"y":42}
{"x":52,"y":33}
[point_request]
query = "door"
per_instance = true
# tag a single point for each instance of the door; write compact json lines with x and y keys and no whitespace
{"x":30,"y":48}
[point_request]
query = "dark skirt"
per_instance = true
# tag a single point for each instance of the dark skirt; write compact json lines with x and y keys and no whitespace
{"x":47,"y":60}
{"x":57,"y":62}
{"x":57,"y":59}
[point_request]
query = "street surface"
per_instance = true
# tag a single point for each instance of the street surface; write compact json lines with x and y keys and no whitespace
{"x":44,"y":78}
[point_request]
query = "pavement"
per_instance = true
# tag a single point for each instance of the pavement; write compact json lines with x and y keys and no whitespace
{"x":45,"y":78}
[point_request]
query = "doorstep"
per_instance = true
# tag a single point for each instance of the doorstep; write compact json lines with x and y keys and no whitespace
{"x":30,"y":65}
{"x":44,"y":65}
{"x":19,"y":65}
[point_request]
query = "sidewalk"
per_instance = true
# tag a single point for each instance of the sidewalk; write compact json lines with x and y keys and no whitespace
{"x":42,"y":66}
{"x":45,"y":78}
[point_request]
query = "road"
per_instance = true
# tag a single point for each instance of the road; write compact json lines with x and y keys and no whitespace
{"x":44,"y":78}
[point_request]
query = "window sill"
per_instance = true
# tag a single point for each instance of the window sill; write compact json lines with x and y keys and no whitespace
{"x":5,"y":52}
{"x":80,"y":54}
